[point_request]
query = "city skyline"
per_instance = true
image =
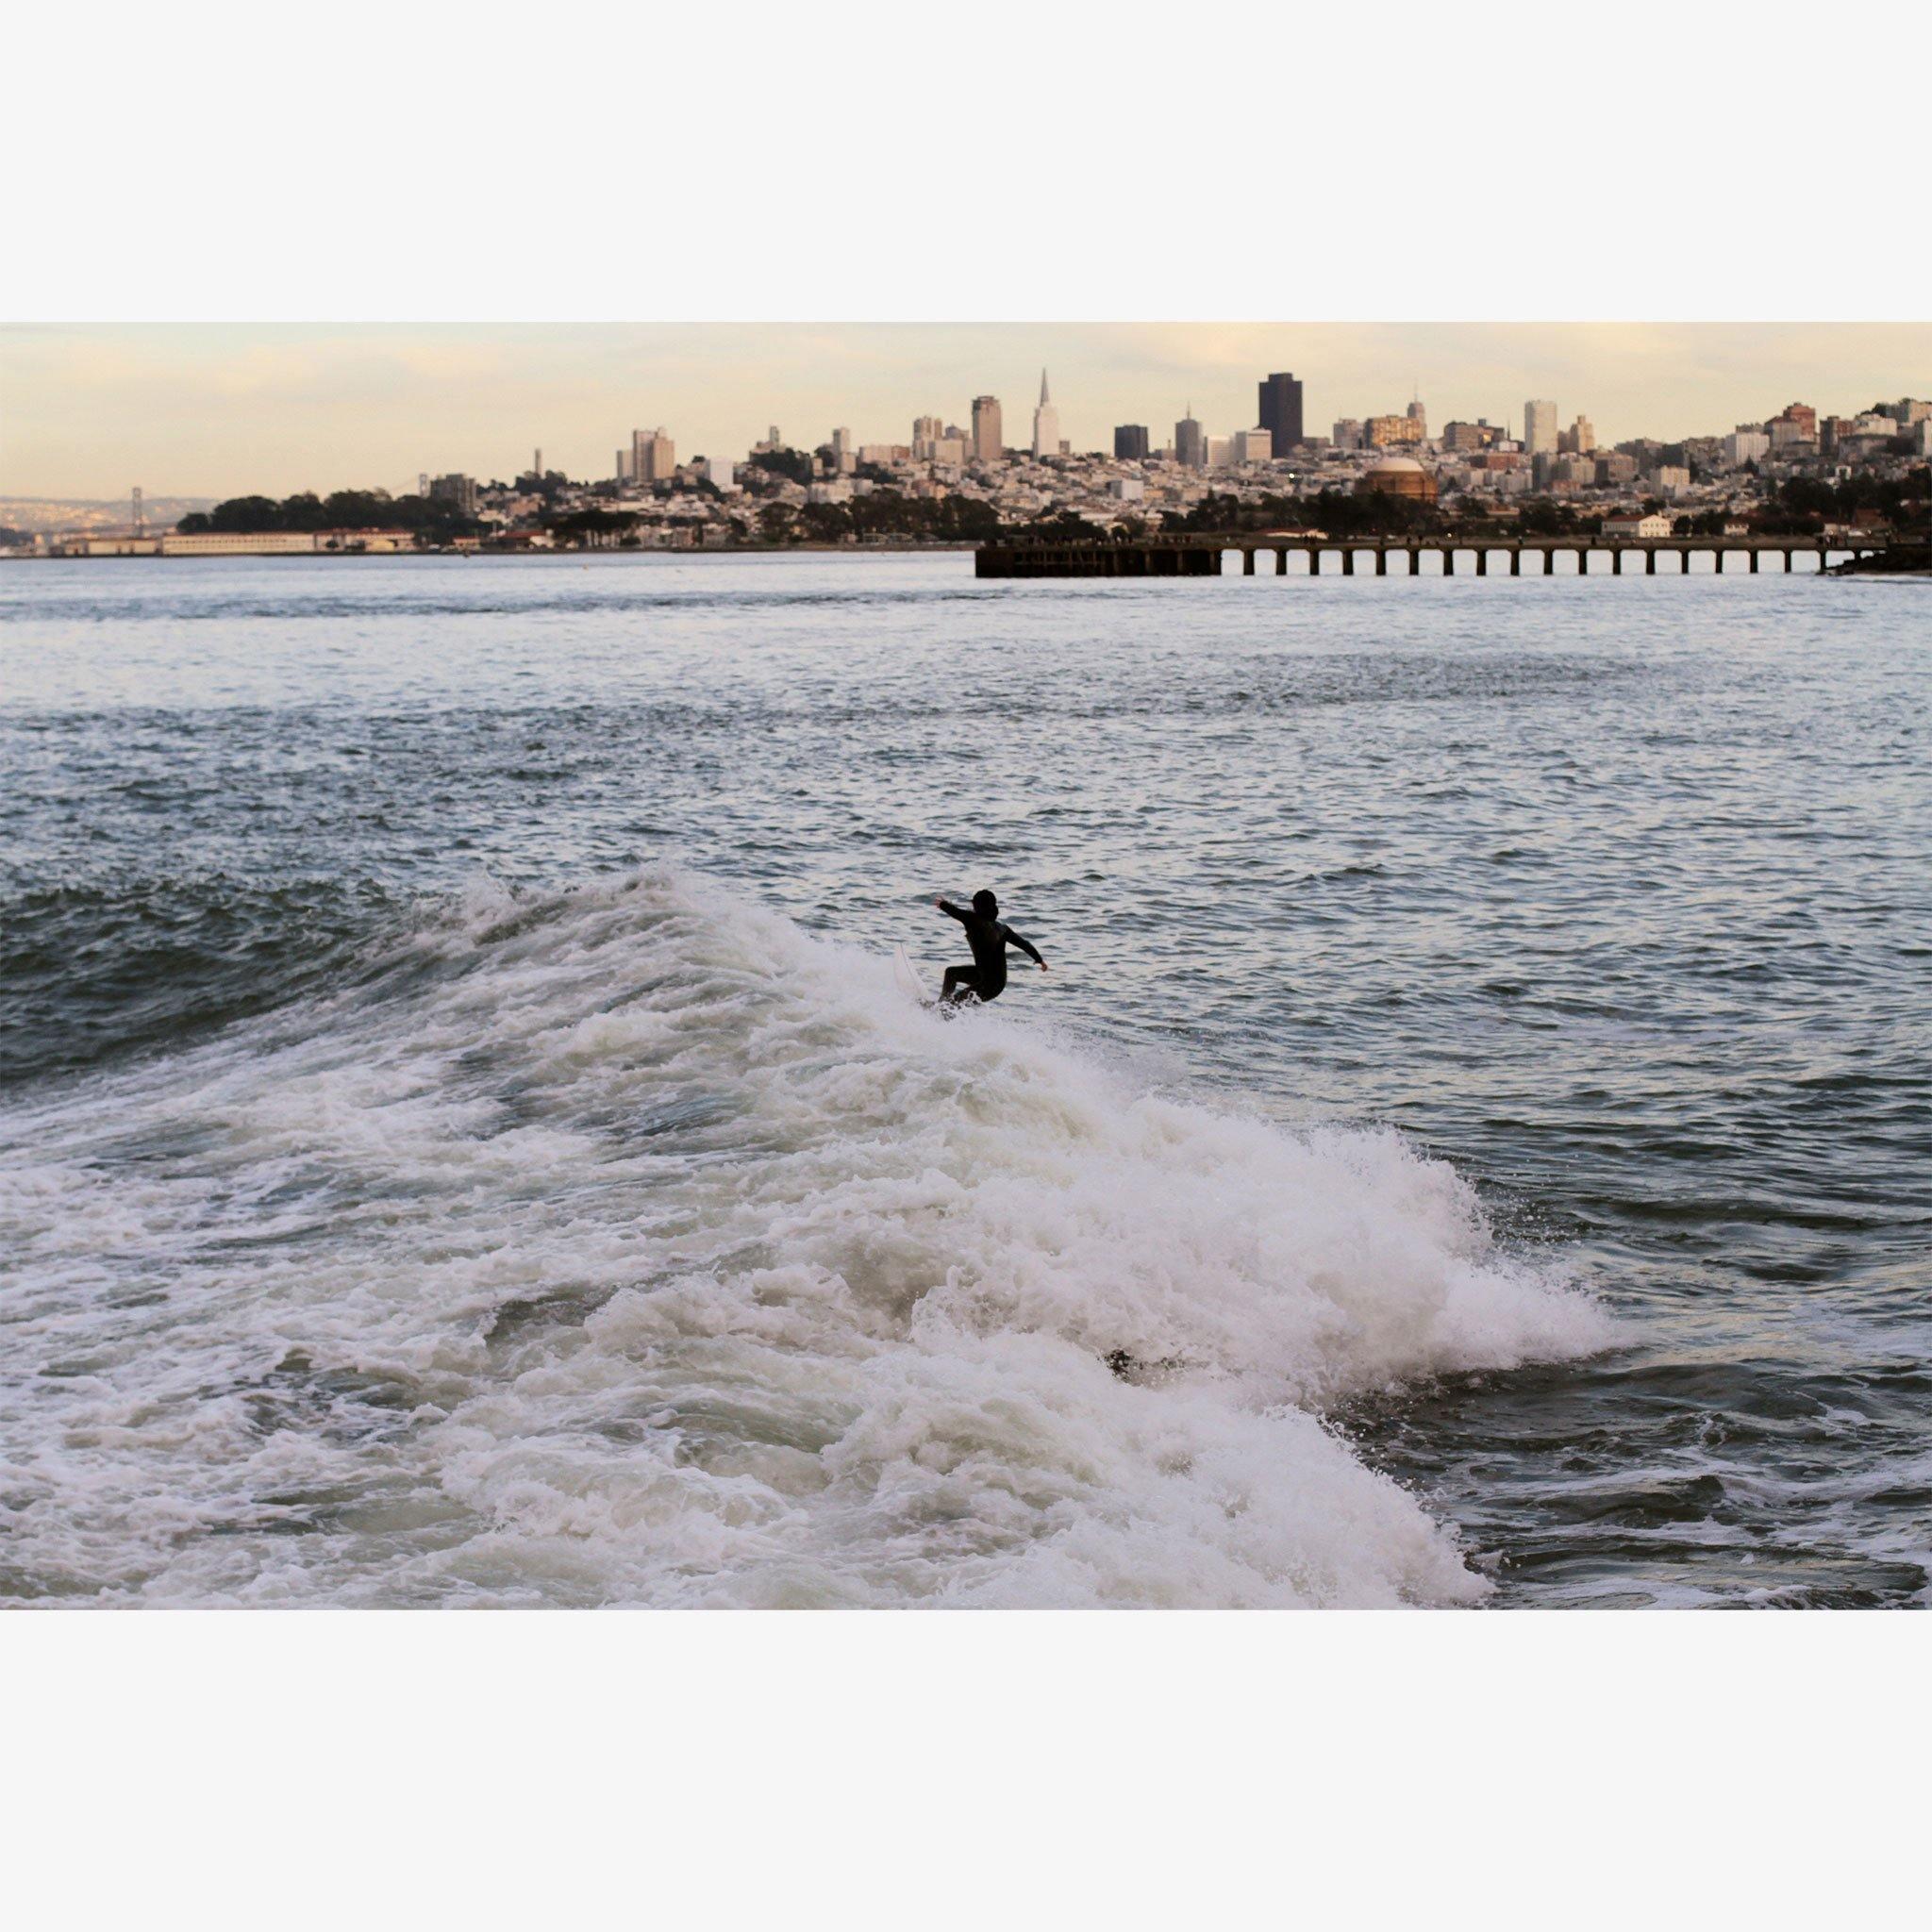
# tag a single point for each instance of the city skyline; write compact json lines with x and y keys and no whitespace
{"x":216,"y":409}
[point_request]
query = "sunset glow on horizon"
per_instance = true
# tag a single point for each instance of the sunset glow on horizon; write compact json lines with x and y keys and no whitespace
{"x":222,"y":410}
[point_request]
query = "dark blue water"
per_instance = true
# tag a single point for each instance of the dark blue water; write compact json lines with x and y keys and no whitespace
{"x":460,"y":1142}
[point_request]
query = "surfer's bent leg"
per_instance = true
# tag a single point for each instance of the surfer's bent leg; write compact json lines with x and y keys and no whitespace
{"x":959,"y":981}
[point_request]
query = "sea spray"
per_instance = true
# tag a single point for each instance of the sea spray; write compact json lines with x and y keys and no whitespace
{"x":629,"y":1246}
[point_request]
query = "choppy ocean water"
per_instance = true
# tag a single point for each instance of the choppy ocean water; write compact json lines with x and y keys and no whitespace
{"x":459,"y":1141}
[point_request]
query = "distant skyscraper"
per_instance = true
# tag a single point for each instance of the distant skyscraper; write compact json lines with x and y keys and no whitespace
{"x":989,"y":444}
{"x":1189,"y":445}
{"x":1046,"y":423}
{"x":1420,"y":417}
{"x":1539,"y":428}
{"x":456,"y":489}
{"x":1130,"y":443}
{"x":1578,"y":439}
{"x":652,"y":456}
{"x":1381,"y":432}
{"x":623,"y":470}
{"x":537,"y":462}
{"x":933,"y":442}
{"x":1280,"y":413}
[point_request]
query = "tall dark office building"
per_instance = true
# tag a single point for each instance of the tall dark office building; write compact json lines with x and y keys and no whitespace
{"x":1190,"y":444}
{"x":1130,"y":443}
{"x":1280,"y":413}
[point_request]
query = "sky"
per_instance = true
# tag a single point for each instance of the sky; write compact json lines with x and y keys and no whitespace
{"x":218,"y":410}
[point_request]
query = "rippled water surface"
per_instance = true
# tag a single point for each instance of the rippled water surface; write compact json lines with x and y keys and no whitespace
{"x":459,"y":1141}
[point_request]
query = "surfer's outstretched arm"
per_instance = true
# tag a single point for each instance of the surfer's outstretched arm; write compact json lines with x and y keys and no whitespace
{"x":953,"y":911}
{"x":1027,"y":947}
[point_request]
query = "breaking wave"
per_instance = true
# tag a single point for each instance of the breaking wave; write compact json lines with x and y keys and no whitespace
{"x":630,"y":1245}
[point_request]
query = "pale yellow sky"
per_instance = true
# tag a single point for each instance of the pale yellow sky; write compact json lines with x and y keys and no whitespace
{"x":222,"y":410}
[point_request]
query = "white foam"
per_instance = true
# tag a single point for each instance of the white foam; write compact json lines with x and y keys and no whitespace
{"x":649,"y":1250}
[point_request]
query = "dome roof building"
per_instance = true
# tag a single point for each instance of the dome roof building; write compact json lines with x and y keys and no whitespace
{"x":1399,"y":477}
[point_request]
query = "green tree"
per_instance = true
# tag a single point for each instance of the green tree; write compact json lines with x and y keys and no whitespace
{"x":1064,"y":527}
{"x":594,"y":527}
{"x":824,"y":522}
{"x":303,"y":512}
{"x":246,"y":516}
{"x":361,"y":510}
{"x":791,"y":463}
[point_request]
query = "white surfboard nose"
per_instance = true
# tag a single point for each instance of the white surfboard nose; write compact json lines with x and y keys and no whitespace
{"x":906,"y":975}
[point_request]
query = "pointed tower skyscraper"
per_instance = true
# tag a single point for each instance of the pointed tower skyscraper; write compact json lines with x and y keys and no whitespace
{"x":1190,"y":444}
{"x":1046,"y":423}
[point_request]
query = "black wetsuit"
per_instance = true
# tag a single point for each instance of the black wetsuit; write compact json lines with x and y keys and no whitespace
{"x":988,"y":938}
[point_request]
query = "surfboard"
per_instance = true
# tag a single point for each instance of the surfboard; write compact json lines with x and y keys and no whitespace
{"x":907,"y":975}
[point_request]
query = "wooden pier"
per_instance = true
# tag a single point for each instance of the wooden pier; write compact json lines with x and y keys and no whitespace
{"x":1204,"y":556}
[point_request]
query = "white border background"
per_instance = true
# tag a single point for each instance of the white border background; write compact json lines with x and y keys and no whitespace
{"x":977,"y":1770}
{"x":418,"y":162}
{"x":1040,"y":161}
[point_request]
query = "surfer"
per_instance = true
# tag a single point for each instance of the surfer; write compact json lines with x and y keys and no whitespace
{"x":986,"y":978}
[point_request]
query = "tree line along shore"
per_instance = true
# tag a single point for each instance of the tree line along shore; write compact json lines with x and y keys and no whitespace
{"x":345,"y":521}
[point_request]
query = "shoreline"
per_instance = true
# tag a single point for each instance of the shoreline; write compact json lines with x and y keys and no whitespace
{"x":1849,"y":567}
{"x":472,"y":556}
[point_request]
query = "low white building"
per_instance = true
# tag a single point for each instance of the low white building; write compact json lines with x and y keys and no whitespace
{"x":368,"y":543}
{"x":229,"y":543}
{"x":103,"y":546}
{"x":1655,"y":525}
